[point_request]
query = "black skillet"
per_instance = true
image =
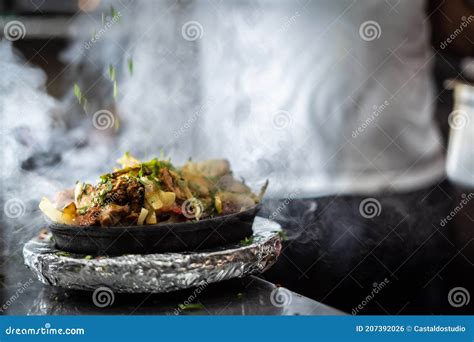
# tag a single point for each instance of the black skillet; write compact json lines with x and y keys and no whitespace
{"x":173,"y":237}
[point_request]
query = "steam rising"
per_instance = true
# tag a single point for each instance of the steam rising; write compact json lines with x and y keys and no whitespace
{"x":48,"y":144}
{"x":51,"y":143}
{"x":157,"y":107}
{"x":27,"y":127}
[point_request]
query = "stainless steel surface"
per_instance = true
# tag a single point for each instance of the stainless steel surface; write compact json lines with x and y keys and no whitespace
{"x":247,"y":296}
{"x":157,"y":273}
{"x":24,"y":295}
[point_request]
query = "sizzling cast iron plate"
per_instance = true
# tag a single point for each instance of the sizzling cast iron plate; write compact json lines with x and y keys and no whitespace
{"x":175,"y":237}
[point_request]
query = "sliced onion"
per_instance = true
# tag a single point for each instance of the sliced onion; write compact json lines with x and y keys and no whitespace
{"x":142,"y":216}
{"x":50,"y":211}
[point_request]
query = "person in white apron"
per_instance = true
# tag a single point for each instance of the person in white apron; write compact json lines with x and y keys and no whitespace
{"x":333,"y":102}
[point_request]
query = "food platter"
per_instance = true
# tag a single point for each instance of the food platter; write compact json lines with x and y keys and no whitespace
{"x":154,"y":227}
{"x":154,"y":207}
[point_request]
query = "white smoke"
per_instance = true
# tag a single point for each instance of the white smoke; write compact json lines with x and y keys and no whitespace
{"x":49,"y":143}
{"x":41,"y":153}
{"x":25,"y":125}
{"x":156,"y":103}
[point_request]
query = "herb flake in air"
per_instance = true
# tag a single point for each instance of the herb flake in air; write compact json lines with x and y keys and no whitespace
{"x":115,"y":90}
{"x":81,"y":99}
{"x":111,"y":72}
{"x":113,"y":12}
{"x":130,"y":66}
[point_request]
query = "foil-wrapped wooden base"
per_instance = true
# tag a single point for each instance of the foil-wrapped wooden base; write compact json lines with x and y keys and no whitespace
{"x":155,"y":273}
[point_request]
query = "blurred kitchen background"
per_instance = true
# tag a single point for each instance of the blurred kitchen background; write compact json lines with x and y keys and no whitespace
{"x":50,"y":31}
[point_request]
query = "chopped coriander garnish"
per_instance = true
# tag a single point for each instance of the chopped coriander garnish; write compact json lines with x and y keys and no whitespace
{"x":247,"y":241}
{"x":80,"y":96}
{"x":113,"y":12}
{"x":282,"y":235}
{"x":109,"y":185}
{"x":140,"y":172}
{"x":130,"y":66}
{"x":82,"y":210}
{"x":105,"y":177}
{"x":117,"y":124}
{"x":115,"y":90}
{"x":77,"y":92}
{"x":156,"y":181}
{"x":111,"y":72}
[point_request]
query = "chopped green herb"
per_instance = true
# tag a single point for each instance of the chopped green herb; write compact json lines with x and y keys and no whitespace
{"x":130,"y":66}
{"x":82,"y":210}
{"x":105,"y":177}
{"x":111,"y":72}
{"x":156,"y":181}
{"x":154,"y":166}
{"x":83,"y":191}
{"x":117,"y":123}
{"x":109,"y":185}
{"x":113,"y":12}
{"x":247,"y":241}
{"x":100,"y":199}
{"x":282,"y":235}
{"x":140,"y":172}
{"x":115,"y":90}
{"x":78,"y":93}
{"x":62,"y":253}
{"x":88,"y":257}
{"x":80,"y":96}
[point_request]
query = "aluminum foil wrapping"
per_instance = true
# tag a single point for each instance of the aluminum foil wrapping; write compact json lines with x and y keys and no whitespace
{"x":154,"y":273}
